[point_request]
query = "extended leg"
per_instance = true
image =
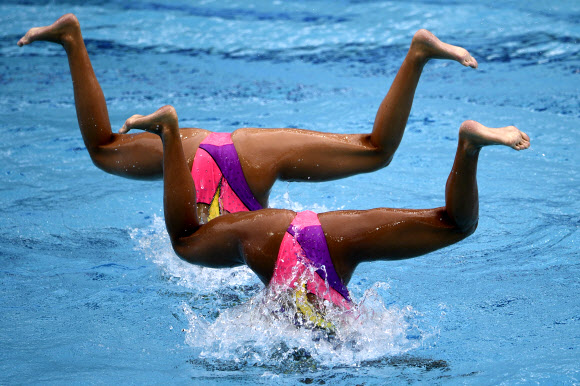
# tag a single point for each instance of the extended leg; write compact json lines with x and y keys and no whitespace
{"x":117,"y":154}
{"x":383,"y":234}
{"x":301,"y":155}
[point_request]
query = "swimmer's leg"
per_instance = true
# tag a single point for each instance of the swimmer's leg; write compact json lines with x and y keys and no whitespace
{"x":179,"y":199}
{"x":395,"y":108}
{"x":220,"y":242}
{"x":133,"y":156}
{"x":301,"y":155}
{"x":389,"y":234}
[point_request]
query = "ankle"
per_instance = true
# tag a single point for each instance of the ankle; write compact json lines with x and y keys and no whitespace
{"x":417,"y":56}
{"x":469,"y":148}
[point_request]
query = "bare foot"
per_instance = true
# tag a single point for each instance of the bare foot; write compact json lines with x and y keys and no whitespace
{"x":428,"y":46}
{"x":125,"y":128}
{"x":477,"y":136}
{"x":58,"y":32}
{"x":157,"y":123}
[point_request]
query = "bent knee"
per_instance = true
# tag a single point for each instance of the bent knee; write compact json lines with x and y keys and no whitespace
{"x":184,"y":250}
{"x":381,"y":154}
{"x":468,"y":228}
{"x":379,"y":158}
{"x":100,"y":157}
{"x":178,"y":248}
{"x":104,"y":160}
{"x":384,"y":159}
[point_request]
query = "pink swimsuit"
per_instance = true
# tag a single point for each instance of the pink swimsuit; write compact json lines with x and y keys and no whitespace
{"x":304,"y":260}
{"x":303,"y":263}
{"x":218,"y":176}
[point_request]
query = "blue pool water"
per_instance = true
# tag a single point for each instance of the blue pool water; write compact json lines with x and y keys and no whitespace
{"x":90,"y":290}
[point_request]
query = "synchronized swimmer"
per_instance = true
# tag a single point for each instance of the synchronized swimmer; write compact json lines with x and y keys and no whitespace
{"x":216,"y":185}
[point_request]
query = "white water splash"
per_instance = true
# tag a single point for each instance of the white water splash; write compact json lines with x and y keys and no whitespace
{"x":255,"y":332}
{"x":286,"y":202}
{"x":154,"y":243}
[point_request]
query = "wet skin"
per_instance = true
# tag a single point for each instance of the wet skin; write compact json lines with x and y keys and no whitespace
{"x":266,"y":155}
{"x":353,"y":237}
{"x":253,"y":238}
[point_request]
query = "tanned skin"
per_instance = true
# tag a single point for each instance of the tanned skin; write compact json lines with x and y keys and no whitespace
{"x":353,"y":237}
{"x":266,"y":155}
{"x":253,"y":238}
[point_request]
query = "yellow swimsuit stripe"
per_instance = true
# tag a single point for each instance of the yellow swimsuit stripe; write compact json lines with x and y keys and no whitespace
{"x":307,"y":310}
{"x":214,"y":207}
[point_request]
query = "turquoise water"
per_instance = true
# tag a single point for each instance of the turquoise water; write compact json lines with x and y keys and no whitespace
{"x":91,"y":291}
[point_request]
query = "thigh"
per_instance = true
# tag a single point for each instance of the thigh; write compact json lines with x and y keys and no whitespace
{"x":140,"y":155}
{"x":386,"y":234}
{"x":251,"y":238}
{"x":302,"y":155}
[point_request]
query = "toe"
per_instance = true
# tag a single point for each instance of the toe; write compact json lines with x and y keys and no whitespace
{"x":526,"y":137}
{"x":470,"y":61}
{"x":473,"y":62}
